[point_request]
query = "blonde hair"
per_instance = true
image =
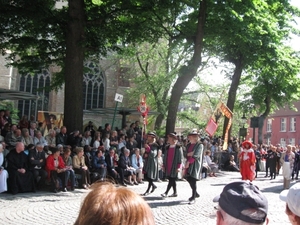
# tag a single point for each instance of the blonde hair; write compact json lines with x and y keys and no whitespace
{"x":109,"y":205}
{"x":78,"y":149}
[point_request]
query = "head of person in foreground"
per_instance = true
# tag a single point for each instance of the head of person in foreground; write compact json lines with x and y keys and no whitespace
{"x":106,"y":204}
{"x":292,"y":199}
{"x":241,"y":203}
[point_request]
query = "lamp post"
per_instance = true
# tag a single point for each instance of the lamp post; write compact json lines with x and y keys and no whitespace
{"x":243,"y":130}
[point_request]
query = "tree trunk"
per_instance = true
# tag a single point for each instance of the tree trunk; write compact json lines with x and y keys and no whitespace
{"x":187,"y":72}
{"x":73,"y":108}
{"x":262,"y":119}
{"x":158,"y":121}
{"x":232,"y":91}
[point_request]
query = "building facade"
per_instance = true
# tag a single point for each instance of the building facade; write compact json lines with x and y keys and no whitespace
{"x":280,"y":127}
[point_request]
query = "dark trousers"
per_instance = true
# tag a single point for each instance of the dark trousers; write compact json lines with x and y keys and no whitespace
{"x":171,"y":183}
{"x":55,"y":181}
{"x":40,"y":176}
{"x":296,"y":170}
{"x":192,"y":181}
{"x":150,"y":184}
{"x":85,"y":176}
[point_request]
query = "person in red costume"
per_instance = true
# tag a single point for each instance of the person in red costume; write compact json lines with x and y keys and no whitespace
{"x":247,"y":161}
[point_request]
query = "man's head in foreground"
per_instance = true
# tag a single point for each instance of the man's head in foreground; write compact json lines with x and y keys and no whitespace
{"x":241,"y":203}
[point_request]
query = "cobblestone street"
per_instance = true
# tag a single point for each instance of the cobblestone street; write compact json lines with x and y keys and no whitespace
{"x":62,"y":208}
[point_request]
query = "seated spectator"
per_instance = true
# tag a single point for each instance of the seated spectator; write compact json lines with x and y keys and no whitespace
{"x":20,"y":178}
{"x":37,"y":159}
{"x":70,"y":174}
{"x":205,"y":168}
{"x":230,"y":165}
{"x":51,"y":138}
{"x":13,"y":137}
{"x":112,"y":165}
{"x":129,"y":207}
{"x":32,"y":129}
{"x":60,"y":148}
{"x":292,"y":199}
{"x":138,"y":164}
{"x":26,"y":138}
{"x":97,"y":141}
{"x":241,"y":202}
{"x":62,"y":137}
{"x":114,"y":140}
{"x":106,"y":142}
{"x":3,"y":172}
{"x":99,"y":164}
{"x":75,"y":138}
{"x":131,"y":144}
{"x":86,"y":139}
{"x":125,"y":168}
{"x":213,"y":166}
{"x":55,"y":167}
{"x":88,"y":156}
{"x":39,"y":138}
{"x":23,"y":123}
{"x":81,"y":168}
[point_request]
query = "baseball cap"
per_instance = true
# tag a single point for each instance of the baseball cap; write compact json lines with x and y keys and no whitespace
{"x":239,"y":199}
{"x":292,"y":198}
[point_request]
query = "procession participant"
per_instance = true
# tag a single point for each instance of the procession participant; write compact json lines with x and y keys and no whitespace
{"x":247,"y":161}
{"x":193,"y":166}
{"x":150,"y":165}
{"x":287,"y":162}
{"x":172,"y":163}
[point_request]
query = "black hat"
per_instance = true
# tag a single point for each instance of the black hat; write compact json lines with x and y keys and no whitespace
{"x":151,"y":134}
{"x":239,"y":196}
{"x":173,"y":135}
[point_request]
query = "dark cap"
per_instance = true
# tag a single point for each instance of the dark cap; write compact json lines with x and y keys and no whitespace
{"x":239,"y":197}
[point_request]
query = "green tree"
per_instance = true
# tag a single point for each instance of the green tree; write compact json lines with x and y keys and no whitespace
{"x":39,"y":35}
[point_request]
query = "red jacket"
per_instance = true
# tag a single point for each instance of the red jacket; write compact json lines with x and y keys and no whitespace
{"x":50,"y":164}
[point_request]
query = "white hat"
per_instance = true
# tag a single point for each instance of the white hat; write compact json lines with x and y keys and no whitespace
{"x":292,"y":198}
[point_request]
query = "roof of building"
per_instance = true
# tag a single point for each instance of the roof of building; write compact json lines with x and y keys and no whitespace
{"x":7,"y":94}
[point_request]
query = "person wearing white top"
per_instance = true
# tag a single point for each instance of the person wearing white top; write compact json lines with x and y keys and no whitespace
{"x":3,"y":172}
{"x":138,"y":164}
{"x":213,"y":166}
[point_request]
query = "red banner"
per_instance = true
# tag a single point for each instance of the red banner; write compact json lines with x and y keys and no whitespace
{"x":211,"y":127}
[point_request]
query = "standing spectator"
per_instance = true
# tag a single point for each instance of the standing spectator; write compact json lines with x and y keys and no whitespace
{"x":2,"y":120}
{"x":247,"y":162}
{"x":258,"y":159}
{"x":287,"y":162}
{"x":106,"y":142}
{"x":97,"y":142}
{"x":23,"y":123}
{"x":114,"y":139}
{"x":296,"y":164}
{"x":172,"y":164}
{"x":20,"y":179}
{"x":160,"y":164}
{"x":138,"y":164}
{"x":90,"y":128}
{"x":37,"y":158}
{"x":107,"y":129}
{"x":3,"y":172}
{"x":81,"y":168}
{"x":150,"y":164}
{"x":272,"y":160}
{"x":279,"y":151}
{"x":7,"y":116}
{"x":269,"y":151}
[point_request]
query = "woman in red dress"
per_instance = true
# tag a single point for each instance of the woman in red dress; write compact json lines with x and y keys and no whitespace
{"x":247,"y":161}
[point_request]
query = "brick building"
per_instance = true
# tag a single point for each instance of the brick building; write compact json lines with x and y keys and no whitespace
{"x":281,"y":127}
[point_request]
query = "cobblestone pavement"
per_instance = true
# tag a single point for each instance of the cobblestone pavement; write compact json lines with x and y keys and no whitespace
{"x":62,"y":208}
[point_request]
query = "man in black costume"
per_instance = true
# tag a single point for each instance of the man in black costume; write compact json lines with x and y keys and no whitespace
{"x":20,"y":178}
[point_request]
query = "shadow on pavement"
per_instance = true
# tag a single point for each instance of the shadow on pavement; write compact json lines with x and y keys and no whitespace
{"x":167,"y":203}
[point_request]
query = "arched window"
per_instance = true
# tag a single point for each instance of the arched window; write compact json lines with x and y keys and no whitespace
{"x":34,"y":84}
{"x":93,"y":87}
